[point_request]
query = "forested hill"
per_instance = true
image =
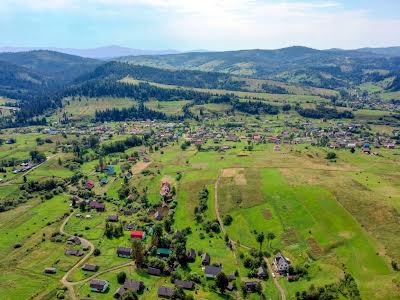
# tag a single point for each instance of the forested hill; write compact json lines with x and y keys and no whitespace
{"x":17,"y":82}
{"x":301,"y":65}
{"x":116,"y":71}
{"x":55,"y":65}
{"x":26,"y":75}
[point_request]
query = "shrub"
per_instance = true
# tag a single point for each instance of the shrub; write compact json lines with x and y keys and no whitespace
{"x":227,"y":220}
{"x":121,"y":277}
{"x":331,"y":155}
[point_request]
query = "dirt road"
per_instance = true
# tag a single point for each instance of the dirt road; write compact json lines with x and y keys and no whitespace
{"x":278,"y":286}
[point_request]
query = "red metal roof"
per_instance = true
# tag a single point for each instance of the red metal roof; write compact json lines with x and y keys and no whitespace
{"x":137,"y":234}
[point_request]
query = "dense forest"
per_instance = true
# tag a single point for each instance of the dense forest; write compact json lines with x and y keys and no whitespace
{"x":126,"y":114}
{"x":255,"y":108}
{"x":186,"y":78}
{"x":323,"y":112}
{"x":39,"y":80}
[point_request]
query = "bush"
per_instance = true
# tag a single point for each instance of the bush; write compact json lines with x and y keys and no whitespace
{"x":228,"y":220}
{"x":331,"y":155}
{"x":60,"y":294}
{"x":121,"y":277}
{"x":96,"y":252}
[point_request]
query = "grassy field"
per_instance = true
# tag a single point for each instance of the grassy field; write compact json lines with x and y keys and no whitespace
{"x":85,"y":108}
{"x":390,"y":96}
{"x":31,"y":226}
{"x":255,"y":85}
{"x":335,"y":217}
{"x":273,"y":98}
{"x":169,"y":108}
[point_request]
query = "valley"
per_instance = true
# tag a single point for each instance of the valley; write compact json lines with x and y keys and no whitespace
{"x":164,"y":178}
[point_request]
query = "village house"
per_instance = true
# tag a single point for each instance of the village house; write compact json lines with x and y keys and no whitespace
{"x":281,"y":263}
{"x":366,"y":149}
{"x":74,"y":240}
{"x":251,"y":286}
{"x":165,"y":292}
{"x":184,"y":284}
{"x":90,"y":268}
{"x":262,"y":272}
{"x":113,"y":218}
{"x":205,"y":259}
{"x":165,"y":189}
{"x":99,"y":207}
{"x":124,"y":252}
{"x":73,"y":252}
{"x":153,"y":271}
{"x":50,"y":270}
{"x":212,"y":271}
{"x":110,"y":170}
{"x":257,"y":138}
{"x":89,"y":184}
{"x":99,"y":286}
{"x":138,"y":234}
{"x":129,"y":285}
{"x":191,"y":255}
{"x":127,"y":175}
{"x":231,"y":286}
{"x":390,"y":146}
{"x":104,"y":181}
{"x":158,"y":216}
{"x":163,"y":252}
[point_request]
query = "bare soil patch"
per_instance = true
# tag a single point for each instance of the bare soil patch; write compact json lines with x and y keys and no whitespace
{"x":139,"y":167}
{"x":267,"y":214}
{"x":315,"y":249}
{"x":290,"y":237}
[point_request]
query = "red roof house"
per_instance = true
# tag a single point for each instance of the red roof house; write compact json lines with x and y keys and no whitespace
{"x":138,"y":234}
{"x":165,"y":188}
{"x":89,"y":184}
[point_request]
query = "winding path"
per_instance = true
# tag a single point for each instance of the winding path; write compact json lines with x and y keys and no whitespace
{"x":70,"y":284}
{"x":233,"y":243}
{"x":64,"y":280}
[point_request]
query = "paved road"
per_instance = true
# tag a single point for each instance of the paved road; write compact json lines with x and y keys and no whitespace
{"x":278,"y":286}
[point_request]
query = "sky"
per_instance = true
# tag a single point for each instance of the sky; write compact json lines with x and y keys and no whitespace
{"x":200,"y":24}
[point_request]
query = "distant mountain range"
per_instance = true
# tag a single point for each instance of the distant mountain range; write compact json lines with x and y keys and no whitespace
{"x":38,"y":78}
{"x":106,"y":52}
{"x":114,"y":51}
{"x":24,"y":75}
{"x":333,"y":68}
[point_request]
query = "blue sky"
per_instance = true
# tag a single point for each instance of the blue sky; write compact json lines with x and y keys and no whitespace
{"x":194,"y":24}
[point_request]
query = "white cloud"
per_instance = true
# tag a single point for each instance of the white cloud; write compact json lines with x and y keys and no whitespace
{"x":232,"y":24}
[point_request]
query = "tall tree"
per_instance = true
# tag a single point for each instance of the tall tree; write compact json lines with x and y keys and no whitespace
{"x":270,"y":237}
{"x":222,"y":282}
{"x":260,"y":239}
{"x":138,"y":252}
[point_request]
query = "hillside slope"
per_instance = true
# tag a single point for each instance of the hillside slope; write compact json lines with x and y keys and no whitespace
{"x":57,"y":65}
{"x":301,"y":65}
{"x":18,"y":82}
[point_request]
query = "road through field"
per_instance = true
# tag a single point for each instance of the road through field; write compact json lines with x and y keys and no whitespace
{"x":27,"y":172}
{"x":278,"y":286}
{"x":69,"y":285}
